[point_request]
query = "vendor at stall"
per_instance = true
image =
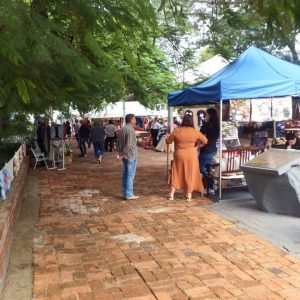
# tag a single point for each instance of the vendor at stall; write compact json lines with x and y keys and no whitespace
{"x":211,"y":130}
{"x":292,"y":142}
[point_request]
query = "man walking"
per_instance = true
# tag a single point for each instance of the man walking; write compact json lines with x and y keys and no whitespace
{"x":84,"y":134}
{"x":76,"y":127}
{"x":127,"y":151}
{"x":97,"y":136}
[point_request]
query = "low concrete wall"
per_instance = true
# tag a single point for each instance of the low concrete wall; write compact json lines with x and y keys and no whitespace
{"x":9,"y":210}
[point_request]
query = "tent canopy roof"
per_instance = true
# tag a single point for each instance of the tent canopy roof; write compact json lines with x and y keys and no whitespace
{"x":205,"y":69}
{"x":115,"y":110}
{"x":254,"y":74}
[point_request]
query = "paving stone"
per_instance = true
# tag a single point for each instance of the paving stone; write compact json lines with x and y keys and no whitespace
{"x":92,"y":245}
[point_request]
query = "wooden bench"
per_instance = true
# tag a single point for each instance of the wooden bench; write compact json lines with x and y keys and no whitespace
{"x":233,"y":160}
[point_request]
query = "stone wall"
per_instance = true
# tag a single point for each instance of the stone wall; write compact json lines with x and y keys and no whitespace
{"x":9,"y":210}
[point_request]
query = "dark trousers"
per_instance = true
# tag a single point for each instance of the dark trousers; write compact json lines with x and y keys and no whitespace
{"x":109,"y":141}
{"x":82,"y":145}
{"x":77,"y":139}
{"x":41,"y":145}
{"x":98,"y":149}
{"x":206,"y":158}
{"x":154,"y":133}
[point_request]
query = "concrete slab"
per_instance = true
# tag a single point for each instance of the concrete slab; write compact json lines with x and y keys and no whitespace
{"x":281,"y":230}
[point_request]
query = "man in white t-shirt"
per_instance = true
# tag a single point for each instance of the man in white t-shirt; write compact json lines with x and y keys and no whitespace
{"x":155,"y":127}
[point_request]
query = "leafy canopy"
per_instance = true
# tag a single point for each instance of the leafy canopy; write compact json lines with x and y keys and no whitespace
{"x":60,"y":54}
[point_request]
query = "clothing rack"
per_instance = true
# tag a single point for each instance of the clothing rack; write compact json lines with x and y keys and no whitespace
{"x":58,"y":155}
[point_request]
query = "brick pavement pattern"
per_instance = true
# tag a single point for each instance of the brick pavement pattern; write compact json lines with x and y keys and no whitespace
{"x":92,"y":245}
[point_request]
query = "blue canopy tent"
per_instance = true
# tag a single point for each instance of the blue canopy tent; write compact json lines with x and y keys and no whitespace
{"x":254,"y":74}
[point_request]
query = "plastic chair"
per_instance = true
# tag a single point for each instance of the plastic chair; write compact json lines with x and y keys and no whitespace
{"x":39,"y":157}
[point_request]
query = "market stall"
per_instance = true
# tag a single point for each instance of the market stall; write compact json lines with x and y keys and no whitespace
{"x":254,"y":75}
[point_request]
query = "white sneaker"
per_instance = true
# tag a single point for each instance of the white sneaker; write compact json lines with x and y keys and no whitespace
{"x":133,"y":197}
{"x":210,"y":192}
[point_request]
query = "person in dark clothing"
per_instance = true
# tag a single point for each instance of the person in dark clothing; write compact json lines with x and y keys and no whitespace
{"x":90,"y":127}
{"x":292,"y":142}
{"x":211,"y":129}
{"x":84,"y":134}
{"x":68,"y":129}
{"x":40,"y":133}
{"x":97,"y":137}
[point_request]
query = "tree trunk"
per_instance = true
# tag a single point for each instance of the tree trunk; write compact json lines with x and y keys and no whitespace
{"x":292,"y":47}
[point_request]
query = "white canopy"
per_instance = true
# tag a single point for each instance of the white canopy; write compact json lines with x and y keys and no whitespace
{"x":205,"y":69}
{"x":115,"y":110}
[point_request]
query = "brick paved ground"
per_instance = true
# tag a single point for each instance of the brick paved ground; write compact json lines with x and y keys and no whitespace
{"x":92,"y":245}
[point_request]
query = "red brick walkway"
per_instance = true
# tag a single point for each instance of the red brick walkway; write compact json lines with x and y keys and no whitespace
{"x":92,"y":245}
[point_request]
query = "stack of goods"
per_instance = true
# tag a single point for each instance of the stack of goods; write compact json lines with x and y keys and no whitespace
{"x":279,"y":143}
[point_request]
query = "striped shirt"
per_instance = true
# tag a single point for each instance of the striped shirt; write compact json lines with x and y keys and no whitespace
{"x":126,"y":142}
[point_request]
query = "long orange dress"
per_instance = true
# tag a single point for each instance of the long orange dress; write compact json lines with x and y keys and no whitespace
{"x":185,"y":170}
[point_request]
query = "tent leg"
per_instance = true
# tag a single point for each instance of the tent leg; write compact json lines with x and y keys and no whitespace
{"x":220,"y":149}
{"x":170,"y":129}
{"x":170,"y":119}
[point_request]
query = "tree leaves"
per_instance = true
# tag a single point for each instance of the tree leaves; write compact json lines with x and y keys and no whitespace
{"x":22,"y":90}
{"x":78,"y":53}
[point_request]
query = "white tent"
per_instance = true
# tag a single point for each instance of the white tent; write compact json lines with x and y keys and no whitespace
{"x":116,"y":110}
{"x":205,"y":69}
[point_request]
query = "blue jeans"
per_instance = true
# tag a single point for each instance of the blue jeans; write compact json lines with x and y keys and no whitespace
{"x":98,"y":149}
{"x":204,"y":159}
{"x":129,"y":169}
{"x":82,"y":145}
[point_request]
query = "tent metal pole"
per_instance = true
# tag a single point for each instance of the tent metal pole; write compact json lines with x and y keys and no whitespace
{"x":170,"y":130}
{"x":170,"y":119}
{"x":220,"y":149}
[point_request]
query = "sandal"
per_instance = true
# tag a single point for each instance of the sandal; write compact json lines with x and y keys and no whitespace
{"x":171,"y":198}
{"x":188,"y":198}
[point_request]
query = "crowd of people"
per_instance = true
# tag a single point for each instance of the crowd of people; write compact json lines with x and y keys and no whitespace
{"x":102,"y":137}
{"x":188,"y":163}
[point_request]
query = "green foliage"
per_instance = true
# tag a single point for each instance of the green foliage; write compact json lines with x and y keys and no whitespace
{"x":176,"y":31}
{"x":233,"y":26}
{"x":282,"y":22}
{"x":206,"y":54}
{"x":61,"y":54}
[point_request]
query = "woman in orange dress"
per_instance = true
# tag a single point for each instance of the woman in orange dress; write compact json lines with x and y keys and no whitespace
{"x":185,"y":168}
